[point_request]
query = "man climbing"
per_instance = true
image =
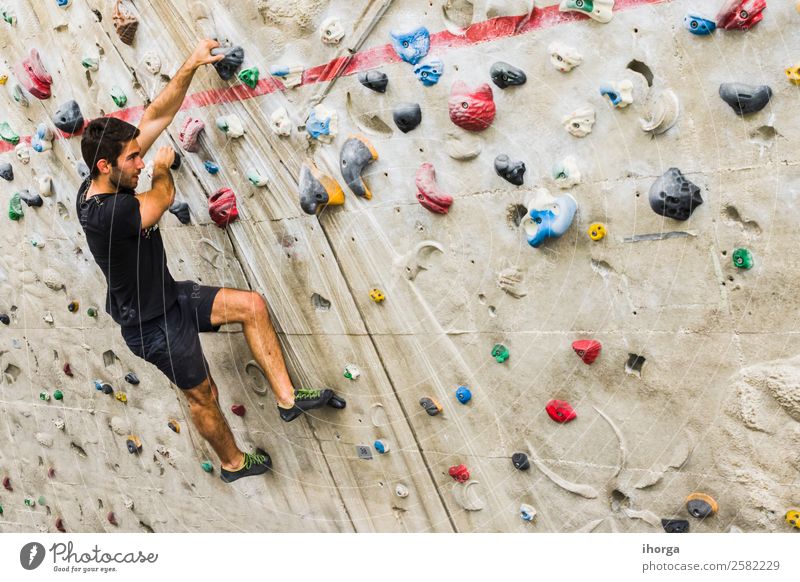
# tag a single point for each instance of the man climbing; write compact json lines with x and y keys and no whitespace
{"x":160,"y":318}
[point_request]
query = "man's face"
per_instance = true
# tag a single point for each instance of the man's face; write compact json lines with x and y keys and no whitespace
{"x":125,"y":172}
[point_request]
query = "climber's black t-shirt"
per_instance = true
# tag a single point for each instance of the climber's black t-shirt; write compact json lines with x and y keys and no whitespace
{"x":140,"y":286}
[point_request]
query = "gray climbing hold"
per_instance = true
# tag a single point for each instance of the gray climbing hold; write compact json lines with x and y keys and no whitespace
{"x":68,"y":117}
{"x":6,"y":171}
{"x":30,"y":198}
{"x":520,"y":461}
{"x":318,"y":189}
{"x":505,"y":75}
{"x":357,"y":153}
{"x":181,"y":210}
{"x":227,"y":67}
{"x":510,"y":170}
{"x":131,"y":378}
{"x":407,"y":116}
{"x":673,"y":196}
{"x":375,"y":80}
{"x":745,"y":99}
{"x":83,"y":170}
{"x":176,"y":163}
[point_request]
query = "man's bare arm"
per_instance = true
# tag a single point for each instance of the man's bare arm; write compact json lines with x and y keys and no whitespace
{"x":160,"y":113}
{"x":155,"y":202}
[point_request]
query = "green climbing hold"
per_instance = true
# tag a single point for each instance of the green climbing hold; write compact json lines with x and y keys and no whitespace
{"x":58,"y":395}
{"x":249,"y":77}
{"x":1,"y":509}
{"x":44,"y":396}
{"x":15,"y":208}
{"x":29,"y":502}
{"x":8,"y":16}
{"x":500,"y":353}
{"x":91,"y":312}
{"x":742,"y":259}
{"x":119,"y":97}
{"x":8,"y":134}
{"x":91,"y":63}
{"x":207,"y":466}
{"x":42,"y":500}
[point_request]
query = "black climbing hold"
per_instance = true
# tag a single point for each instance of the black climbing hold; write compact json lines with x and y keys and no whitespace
{"x":520,"y":461}
{"x":701,"y":505}
{"x":176,"y":163}
{"x":505,"y":75}
{"x":673,"y":196}
{"x":675,"y":525}
{"x":6,"y":171}
{"x":181,"y":210}
{"x":68,"y":117}
{"x":134,"y":444}
{"x":431,"y":406}
{"x":317,"y":189}
{"x":407,"y":116}
{"x":5,"y":319}
{"x":30,"y":198}
{"x":107,"y":389}
{"x":375,"y":80}
{"x":227,"y":67}
{"x":357,"y":153}
{"x":131,"y":378}
{"x":510,"y":170}
{"x":745,"y":99}
{"x":83,"y":170}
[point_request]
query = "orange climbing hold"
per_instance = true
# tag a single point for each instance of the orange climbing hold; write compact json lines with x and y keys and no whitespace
{"x":125,"y":23}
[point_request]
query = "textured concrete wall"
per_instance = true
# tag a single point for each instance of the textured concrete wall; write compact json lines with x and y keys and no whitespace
{"x":715,"y":408}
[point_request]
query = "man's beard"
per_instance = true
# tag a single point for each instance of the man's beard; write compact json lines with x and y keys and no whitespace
{"x":118,"y":181}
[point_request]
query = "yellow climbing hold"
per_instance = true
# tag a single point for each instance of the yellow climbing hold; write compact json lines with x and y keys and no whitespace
{"x":793,"y":517}
{"x":121,"y":396}
{"x":596,"y":231}
{"x":376,"y":295}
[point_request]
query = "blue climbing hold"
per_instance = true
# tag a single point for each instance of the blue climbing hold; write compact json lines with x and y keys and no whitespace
{"x":699,"y":25}
{"x":463,"y":394}
{"x":317,"y":126}
{"x":541,"y":224}
{"x":429,"y":72}
{"x":381,"y":447}
{"x":412,"y":46}
{"x":211,"y":167}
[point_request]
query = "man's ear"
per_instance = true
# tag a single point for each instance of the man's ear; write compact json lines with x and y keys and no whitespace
{"x":104,"y":166}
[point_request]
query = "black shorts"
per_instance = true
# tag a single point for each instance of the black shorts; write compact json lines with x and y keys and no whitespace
{"x":171,"y":343}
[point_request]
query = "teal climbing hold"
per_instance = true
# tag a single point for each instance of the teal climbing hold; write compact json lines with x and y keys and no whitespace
{"x":207,"y":466}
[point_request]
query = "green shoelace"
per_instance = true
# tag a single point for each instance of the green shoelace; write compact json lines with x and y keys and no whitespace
{"x":251,"y":459}
{"x":303,"y":394}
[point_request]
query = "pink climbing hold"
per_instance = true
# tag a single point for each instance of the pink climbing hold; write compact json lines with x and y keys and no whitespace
{"x":51,"y":472}
{"x":238,"y":409}
{"x":33,"y":76}
{"x":68,"y":369}
{"x":428,"y":192}
{"x":60,"y":525}
{"x":471,"y":110}
{"x":7,"y":483}
{"x":587,"y":350}
{"x":560,"y":411}
{"x":459,"y":472}
{"x":112,"y":519}
{"x":190,"y":133}
{"x":222,"y":207}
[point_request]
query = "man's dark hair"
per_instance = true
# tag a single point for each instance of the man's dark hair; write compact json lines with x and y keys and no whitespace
{"x":103,"y":139}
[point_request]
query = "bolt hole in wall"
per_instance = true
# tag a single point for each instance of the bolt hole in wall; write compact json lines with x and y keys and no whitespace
{"x":634,"y":364}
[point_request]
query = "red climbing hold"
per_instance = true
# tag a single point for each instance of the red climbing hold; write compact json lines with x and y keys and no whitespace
{"x":51,"y":472}
{"x":471,"y":110}
{"x":560,"y":411}
{"x":238,"y":409}
{"x":428,"y":192}
{"x":68,"y":370}
{"x":60,"y":525}
{"x":112,"y":519}
{"x":459,"y":472}
{"x":222,"y":207}
{"x":587,"y":350}
{"x":33,"y":76}
{"x":7,"y":483}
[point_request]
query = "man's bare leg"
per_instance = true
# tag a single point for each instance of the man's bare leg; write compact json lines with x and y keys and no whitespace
{"x":211,"y":424}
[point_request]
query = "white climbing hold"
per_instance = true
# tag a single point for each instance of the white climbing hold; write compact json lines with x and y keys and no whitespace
{"x":401,"y":490}
{"x":48,"y":317}
{"x":564,"y":57}
{"x":290,"y":75}
{"x":231,"y":125}
{"x":331,"y":31}
{"x":352,"y":372}
{"x":23,"y":152}
{"x":527,"y":512}
{"x":462,"y":145}
{"x":580,"y":122}
{"x":45,"y":186}
{"x":59,"y":423}
{"x":280,"y":123}
{"x":152,"y":62}
{"x":52,"y":279}
{"x":509,"y":280}
{"x":566,"y":173}
{"x":128,"y":502}
{"x":44,"y":439}
{"x":119,"y":426}
{"x":620,"y":94}
{"x":661,"y":112}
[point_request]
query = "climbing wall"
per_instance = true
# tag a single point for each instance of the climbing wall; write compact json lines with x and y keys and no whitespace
{"x":488,"y":272}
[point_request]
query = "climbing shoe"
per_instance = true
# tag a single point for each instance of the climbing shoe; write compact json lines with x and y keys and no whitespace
{"x":310,"y":399}
{"x":254,"y":464}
